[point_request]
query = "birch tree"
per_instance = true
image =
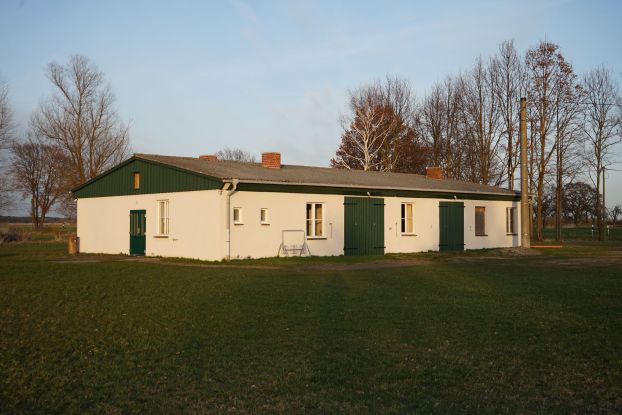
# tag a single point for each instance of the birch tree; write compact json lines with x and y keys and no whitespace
{"x":379,"y":133}
{"x":602,"y":129}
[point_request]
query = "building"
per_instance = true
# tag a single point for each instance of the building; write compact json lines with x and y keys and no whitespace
{"x":210,"y":209}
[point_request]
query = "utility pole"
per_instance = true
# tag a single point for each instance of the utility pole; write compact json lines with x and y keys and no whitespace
{"x":525,"y":212}
{"x":602,"y":231}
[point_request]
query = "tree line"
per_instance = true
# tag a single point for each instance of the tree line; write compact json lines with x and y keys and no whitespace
{"x":468,"y":124}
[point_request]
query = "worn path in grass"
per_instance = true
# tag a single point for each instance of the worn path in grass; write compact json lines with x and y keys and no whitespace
{"x":476,"y":332}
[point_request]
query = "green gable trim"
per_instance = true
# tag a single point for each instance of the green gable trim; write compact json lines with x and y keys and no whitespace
{"x":348,"y":191}
{"x":154,"y":178}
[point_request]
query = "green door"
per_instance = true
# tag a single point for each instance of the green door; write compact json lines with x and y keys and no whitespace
{"x":451,"y":226}
{"x":138,"y":229}
{"x":364,"y":226}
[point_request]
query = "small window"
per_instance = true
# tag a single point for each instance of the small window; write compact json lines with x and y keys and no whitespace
{"x":263,"y":216}
{"x":163,"y":217}
{"x":237,"y":216}
{"x":480,"y":221}
{"x":408,"y":223}
{"x":510,"y":220}
{"x":136,"y":180}
{"x":315,"y":220}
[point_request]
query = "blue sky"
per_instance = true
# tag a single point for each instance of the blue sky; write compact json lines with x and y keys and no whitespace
{"x":194,"y":77}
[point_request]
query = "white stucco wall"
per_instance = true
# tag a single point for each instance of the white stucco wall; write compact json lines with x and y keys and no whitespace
{"x":426,"y":225}
{"x":286,"y":212}
{"x":198,"y":223}
{"x":194,"y":224}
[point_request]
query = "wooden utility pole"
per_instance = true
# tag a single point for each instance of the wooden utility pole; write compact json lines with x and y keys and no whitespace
{"x":525,"y":211}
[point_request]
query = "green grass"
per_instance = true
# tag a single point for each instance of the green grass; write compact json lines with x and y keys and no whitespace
{"x":481,"y":332}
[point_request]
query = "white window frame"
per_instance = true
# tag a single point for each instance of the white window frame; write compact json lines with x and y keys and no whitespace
{"x":163,"y":217}
{"x":266,"y":218}
{"x":240,"y":219}
{"x":404,"y":218}
{"x":510,"y":212}
{"x":314,"y":220}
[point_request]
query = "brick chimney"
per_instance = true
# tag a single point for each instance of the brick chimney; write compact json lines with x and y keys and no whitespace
{"x":271,"y":160}
{"x":209,"y":157}
{"x":434,"y":173}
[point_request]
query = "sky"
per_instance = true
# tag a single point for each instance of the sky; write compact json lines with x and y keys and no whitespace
{"x":195,"y":77}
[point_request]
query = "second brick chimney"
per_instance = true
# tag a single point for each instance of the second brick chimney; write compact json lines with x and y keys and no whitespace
{"x":210,"y":157}
{"x":434,"y":173}
{"x":271,"y":160}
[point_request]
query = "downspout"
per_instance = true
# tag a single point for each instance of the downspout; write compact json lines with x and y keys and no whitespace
{"x":230,"y":186}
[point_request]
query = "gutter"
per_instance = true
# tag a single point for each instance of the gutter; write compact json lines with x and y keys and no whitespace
{"x":354,"y":186}
{"x":230,"y":186}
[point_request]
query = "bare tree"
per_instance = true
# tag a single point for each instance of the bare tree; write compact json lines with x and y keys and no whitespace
{"x":369,"y":130}
{"x":80,"y":119}
{"x":547,"y":68}
{"x":441,"y":126}
{"x":6,"y":136}
{"x":616,"y":212}
{"x":602,"y":129}
{"x":482,"y":125}
{"x":508,"y":77}
{"x":36,"y":169}
{"x":235,"y":154}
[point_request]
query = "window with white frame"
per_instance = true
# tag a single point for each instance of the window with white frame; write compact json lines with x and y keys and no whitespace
{"x":163,"y":217}
{"x":263,"y":216}
{"x":510,"y":220}
{"x":408,"y":218}
{"x":315,"y":220}
{"x":237,"y":216}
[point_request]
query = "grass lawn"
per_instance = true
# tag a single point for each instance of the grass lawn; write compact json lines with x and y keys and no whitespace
{"x":480,"y":332}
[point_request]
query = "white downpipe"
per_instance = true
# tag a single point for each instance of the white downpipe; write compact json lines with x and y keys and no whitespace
{"x":230,"y":187}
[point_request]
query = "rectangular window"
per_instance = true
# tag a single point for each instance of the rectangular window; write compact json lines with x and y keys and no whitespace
{"x":315,"y":220}
{"x":510,"y":220}
{"x":136,"y":180}
{"x":237,"y":216}
{"x":408,"y":219}
{"x":162,"y":217}
{"x":480,"y":221}
{"x":263,"y":216}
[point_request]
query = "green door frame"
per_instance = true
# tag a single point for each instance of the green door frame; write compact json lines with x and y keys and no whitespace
{"x":138,"y":232}
{"x":363,"y":226}
{"x":451,"y":226}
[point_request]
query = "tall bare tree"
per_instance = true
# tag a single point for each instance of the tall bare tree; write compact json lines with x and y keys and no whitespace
{"x":567,"y":108}
{"x":36,"y":169}
{"x":81,"y":120}
{"x":602,"y":129}
{"x":235,"y":154}
{"x":440,"y":124}
{"x":547,"y":69}
{"x":6,"y":136}
{"x":508,"y":77}
{"x":482,"y":125}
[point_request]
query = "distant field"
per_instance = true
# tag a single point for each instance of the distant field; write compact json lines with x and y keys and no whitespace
{"x":489,"y":331}
{"x":50,"y":232}
{"x":582,"y":233}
